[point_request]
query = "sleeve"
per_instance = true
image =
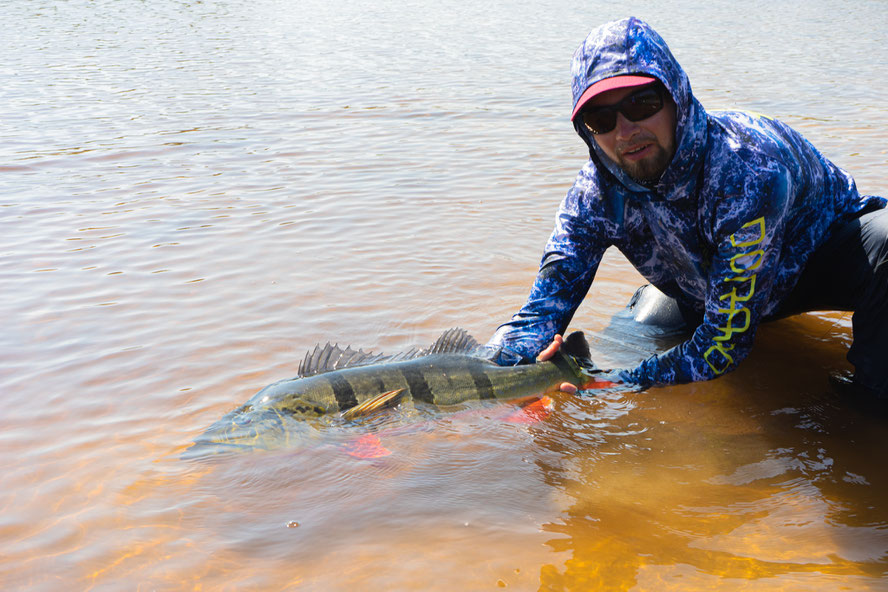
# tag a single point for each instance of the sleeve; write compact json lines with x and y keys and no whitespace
{"x":568,"y":266}
{"x":749,"y":235}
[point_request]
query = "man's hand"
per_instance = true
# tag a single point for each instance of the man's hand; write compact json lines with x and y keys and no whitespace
{"x":567,"y":387}
{"x":550,"y":351}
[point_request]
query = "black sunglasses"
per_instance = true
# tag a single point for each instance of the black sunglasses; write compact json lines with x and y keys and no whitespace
{"x":639,"y":105}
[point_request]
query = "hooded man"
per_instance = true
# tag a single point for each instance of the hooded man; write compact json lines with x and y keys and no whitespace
{"x":735,"y":216}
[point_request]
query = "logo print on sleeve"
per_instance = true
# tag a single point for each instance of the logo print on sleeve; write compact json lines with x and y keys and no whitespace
{"x":742,"y":286}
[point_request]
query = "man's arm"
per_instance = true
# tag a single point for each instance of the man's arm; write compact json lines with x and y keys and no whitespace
{"x":741,"y":273}
{"x":568,"y":267}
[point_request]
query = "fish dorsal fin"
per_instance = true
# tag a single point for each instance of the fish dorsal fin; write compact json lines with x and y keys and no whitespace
{"x":453,"y":341}
{"x":332,"y":357}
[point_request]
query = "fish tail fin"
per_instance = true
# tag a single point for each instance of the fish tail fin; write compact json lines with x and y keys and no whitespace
{"x":576,"y":346}
{"x":387,"y":399}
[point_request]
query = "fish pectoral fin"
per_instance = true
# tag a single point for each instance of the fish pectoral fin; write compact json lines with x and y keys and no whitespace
{"x":387,"y":399}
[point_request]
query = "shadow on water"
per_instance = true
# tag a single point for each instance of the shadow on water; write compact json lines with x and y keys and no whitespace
{"x":764,"y":474}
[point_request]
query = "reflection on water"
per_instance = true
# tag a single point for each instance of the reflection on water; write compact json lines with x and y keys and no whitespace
{"x":696,"y":487}
{"x":192,"y":194}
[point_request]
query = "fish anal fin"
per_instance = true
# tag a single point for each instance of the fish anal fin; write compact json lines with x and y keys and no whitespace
{"x":367,"y":446}
{"x":387,"y":399}
{"x":532,"y":411}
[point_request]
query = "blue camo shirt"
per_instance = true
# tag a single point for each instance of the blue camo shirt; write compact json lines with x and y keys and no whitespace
{"x":726,"y":230}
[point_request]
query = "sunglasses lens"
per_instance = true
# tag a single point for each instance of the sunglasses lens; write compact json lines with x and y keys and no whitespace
{"x":642,"y":105}
{"x":637,"y":106}
{"x":600,"y":121}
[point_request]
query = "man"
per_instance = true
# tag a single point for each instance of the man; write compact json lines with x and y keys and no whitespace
{"x":735,"y":216}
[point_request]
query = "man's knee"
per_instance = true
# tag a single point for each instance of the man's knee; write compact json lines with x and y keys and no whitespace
{"x":650,"y":306}
{"x":874,"y":238}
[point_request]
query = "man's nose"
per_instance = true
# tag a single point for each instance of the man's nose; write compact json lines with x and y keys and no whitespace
{"x":625,"y":128}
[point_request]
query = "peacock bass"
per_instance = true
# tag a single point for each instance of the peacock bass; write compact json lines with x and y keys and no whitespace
{"x":353,"y":383}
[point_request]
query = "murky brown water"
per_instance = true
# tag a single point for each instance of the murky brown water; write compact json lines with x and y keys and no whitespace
{"x":192,"y":194}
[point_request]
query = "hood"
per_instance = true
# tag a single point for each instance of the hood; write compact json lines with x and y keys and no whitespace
{"x":631,"y":46}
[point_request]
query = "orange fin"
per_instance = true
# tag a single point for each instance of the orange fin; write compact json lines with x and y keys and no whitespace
{"x":388,"y":399}
{"x":367,"y":446}
{"x":597,"y":384}
{"x":532,"y":412}
{"x":523,"y":401}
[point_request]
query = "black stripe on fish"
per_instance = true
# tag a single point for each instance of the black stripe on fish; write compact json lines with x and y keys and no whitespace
{"x":481,"y":380}
{"x":378,"y":384}
{"x":419,"y":388}
{"x":343,"y":391}
{"x":561,"y":363}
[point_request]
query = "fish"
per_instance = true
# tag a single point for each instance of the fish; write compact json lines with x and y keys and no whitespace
{"x":351,"y":384}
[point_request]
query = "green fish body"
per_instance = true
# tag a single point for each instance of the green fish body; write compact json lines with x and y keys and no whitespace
{"x":336,"y":381}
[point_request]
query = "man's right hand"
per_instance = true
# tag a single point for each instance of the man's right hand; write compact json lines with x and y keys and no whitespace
{"x":567,"y":387}
{"x":550,"y":351}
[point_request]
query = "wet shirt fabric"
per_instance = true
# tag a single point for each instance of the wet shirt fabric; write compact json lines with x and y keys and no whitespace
{"x":726,"y":230}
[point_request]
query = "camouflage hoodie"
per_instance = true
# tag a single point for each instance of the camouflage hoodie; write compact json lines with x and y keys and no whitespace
{"x":726,"y":230}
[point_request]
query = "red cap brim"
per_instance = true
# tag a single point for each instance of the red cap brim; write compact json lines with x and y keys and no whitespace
{"x":607,"y":84}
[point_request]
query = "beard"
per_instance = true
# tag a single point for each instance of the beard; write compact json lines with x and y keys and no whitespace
{"x":649,"y":169}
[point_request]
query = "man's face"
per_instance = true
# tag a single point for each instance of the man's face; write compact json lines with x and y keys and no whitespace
{"x":641,"y":148}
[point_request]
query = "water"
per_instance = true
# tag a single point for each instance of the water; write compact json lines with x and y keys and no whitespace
{"x":194,"y":194}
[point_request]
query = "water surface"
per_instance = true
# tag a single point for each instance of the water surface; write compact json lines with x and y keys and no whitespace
{"x":193,"y":194}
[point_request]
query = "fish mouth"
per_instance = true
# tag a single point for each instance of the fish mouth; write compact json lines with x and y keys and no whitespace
{"x":238,"y":432}
{"x":203,"y":449}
